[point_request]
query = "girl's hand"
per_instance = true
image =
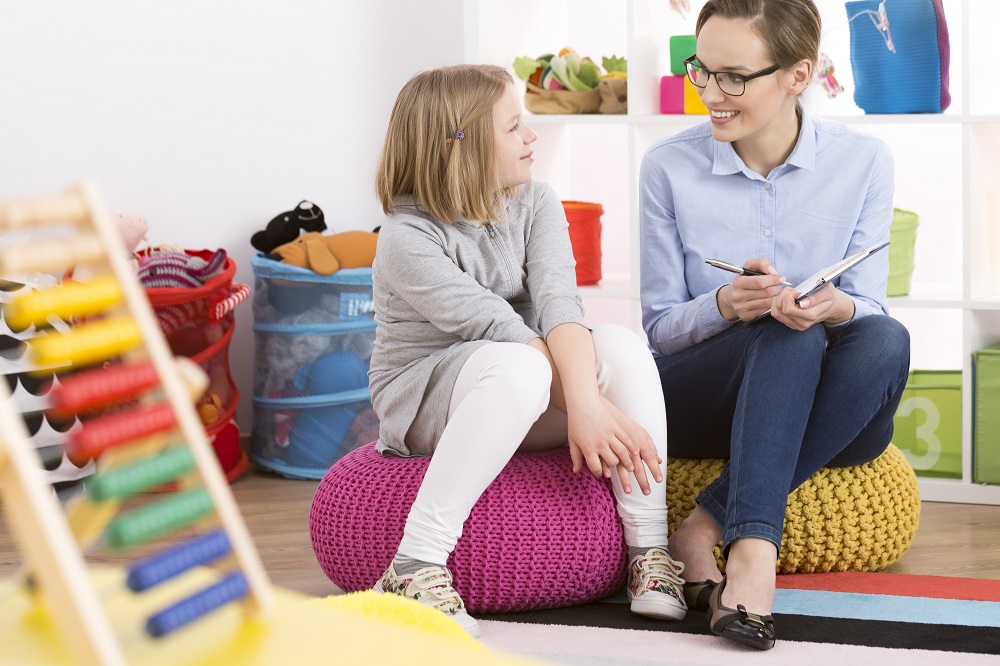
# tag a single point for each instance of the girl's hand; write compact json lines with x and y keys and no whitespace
{"x":750,"y":295}
{"x":605,"y":438}
{"x":596,"y":439}
{"x":647,"y":455}
{"x":829,"y":304}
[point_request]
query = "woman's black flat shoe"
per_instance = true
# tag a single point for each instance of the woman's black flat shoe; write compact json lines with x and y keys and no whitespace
{"x":696,"y":594}
{"x":737,"y":624}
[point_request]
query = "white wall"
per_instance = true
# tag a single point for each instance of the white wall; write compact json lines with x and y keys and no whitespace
{"x":210,"y":117}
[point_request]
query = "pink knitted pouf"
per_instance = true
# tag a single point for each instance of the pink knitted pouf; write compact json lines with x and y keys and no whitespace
{"x":539,"y":537}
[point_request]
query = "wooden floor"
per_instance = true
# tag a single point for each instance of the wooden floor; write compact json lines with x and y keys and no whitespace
{"x":953,"y":539}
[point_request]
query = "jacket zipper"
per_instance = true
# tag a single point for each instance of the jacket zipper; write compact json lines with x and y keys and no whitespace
{"x":503,"y":256}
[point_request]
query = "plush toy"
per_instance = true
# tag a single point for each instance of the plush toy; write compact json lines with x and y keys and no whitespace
{"x":824,"y":72}
{"x":328,"y":254}
{"x":317,"y":428}
{"x":174,"y":268}
{"x":209,"y":408}
{"x":282,"y":356}
{"x":285,"y":228}
{"x":133,"y":228}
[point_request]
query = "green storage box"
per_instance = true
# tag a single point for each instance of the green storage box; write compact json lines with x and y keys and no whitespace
{"x":902,"y":243}
{"x":928,"y":423}
{"x":986,"y":415}
{"x":682,"y":47}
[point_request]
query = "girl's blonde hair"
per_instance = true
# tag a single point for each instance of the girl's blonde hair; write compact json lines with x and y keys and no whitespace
{"x":791,"y":28}
{"x":440,"y":146}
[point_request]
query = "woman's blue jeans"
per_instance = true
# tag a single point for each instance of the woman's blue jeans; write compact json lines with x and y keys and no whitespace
{"x":781,"y":404}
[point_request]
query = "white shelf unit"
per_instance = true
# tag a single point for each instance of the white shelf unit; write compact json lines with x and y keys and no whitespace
{"x":947,"y":166}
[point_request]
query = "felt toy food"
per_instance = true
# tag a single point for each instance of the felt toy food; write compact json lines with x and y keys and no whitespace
{"x":567,"y":71}
{"x":328,"y":254}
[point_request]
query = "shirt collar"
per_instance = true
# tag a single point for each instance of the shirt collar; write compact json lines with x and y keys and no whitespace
{"x":726,"y":161}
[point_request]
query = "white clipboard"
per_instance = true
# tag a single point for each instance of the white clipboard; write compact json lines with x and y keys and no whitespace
{"x":824,"y":277}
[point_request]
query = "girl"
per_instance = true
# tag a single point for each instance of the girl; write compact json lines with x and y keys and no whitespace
{"x":812,"y":384}
{"x":481,"y":348}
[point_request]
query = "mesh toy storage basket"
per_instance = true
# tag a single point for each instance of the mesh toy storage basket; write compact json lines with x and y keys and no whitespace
{"x":198,"y":323}
{"x":313,"y":337}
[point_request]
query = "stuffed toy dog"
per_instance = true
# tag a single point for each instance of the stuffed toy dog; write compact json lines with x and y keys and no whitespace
{"x":285,"y":227}
{"x":328,"y":254}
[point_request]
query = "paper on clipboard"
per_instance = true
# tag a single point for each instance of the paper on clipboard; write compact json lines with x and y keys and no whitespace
{"x":824,"y":277}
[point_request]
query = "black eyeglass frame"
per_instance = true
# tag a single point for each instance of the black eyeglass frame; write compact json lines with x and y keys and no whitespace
{"x":746,"y":77}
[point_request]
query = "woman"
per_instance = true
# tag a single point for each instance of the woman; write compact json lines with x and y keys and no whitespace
{"x":785,"y":392}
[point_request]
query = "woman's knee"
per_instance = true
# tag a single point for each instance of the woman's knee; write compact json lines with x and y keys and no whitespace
{"x":884,"y":342}
{"x":792,"y":344}
{"x":891,"y":337}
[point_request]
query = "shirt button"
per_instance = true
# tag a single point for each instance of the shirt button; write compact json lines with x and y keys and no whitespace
{"x":767,"y":186}
{"x":767,"y":232}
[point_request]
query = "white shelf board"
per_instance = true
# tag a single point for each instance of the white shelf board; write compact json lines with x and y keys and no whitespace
{"x":694,"y":118}
{"x":611,"y":286}
{"x":927,"y":301}
{"x":954,"y":490}
{"x":575,"y":118}
{"x":983,"y":304}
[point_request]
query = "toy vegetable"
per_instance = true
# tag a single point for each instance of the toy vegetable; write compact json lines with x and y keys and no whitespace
{"x":567,"y":71}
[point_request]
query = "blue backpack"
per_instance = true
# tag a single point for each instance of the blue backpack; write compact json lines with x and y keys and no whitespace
{"x":914,"y":78}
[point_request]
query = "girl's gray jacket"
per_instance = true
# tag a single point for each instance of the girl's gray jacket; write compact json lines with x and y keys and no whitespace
{"x":442,"y":289}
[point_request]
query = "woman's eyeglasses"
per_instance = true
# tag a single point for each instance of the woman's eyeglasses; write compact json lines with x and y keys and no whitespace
{"x":730,"y":83}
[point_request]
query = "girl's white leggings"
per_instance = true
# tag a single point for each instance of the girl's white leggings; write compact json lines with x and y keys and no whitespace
{"x":500,"y":405}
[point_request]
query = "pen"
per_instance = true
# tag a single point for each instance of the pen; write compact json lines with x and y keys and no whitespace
{"x":739,"y":270}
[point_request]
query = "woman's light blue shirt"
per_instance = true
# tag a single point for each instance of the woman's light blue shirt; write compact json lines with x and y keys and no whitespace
{"x":698,"y":200}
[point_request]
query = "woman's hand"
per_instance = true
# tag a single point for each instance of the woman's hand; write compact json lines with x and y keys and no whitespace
{"x":750,"y":295}
{"x":604,"y":438}
{"x":828,"y":304}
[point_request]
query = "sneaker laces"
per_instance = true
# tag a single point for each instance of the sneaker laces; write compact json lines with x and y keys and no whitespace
{"x":440,"y":594}
{"x":657,"y":565}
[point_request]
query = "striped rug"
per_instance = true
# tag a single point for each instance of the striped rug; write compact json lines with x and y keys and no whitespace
{"x":843,"y":618}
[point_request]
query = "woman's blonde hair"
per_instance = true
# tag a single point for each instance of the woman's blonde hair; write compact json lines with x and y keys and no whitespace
{"x":791,"y":28}
{"x":440,"y":146}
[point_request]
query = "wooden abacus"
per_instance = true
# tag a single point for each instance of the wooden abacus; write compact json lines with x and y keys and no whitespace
{"x":198,"y":602}
{"x":138,"y":421}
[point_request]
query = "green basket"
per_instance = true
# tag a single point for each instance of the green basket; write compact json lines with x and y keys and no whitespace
{"x":902,"y":242}
{"x":986,"y":415}
{"x":928,"y":423}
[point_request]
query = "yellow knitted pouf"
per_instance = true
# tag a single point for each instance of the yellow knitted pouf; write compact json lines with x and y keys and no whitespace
{"x":860,"y":518}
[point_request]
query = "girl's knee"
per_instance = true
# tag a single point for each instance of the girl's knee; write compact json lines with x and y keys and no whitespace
{"x":613,"y":341}
{"x":525,"y":374}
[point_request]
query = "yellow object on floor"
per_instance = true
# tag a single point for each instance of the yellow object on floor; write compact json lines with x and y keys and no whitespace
{"x":298,"y":630}
{"x":401,"y":612}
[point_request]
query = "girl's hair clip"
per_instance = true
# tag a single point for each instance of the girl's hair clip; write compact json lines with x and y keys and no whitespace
{"x":459,"y":134}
